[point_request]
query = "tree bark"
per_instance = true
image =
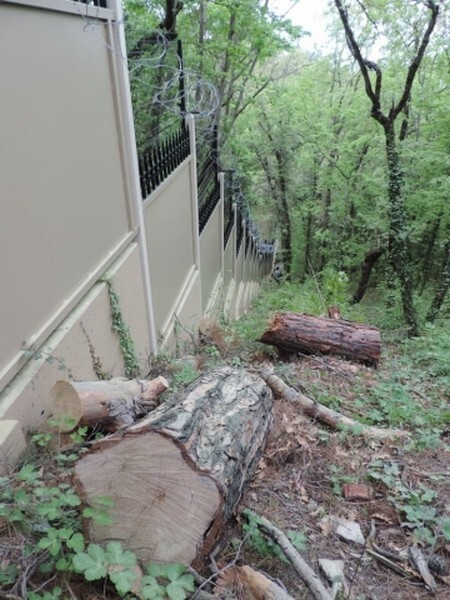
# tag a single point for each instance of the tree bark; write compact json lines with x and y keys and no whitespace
{"x":368,"y":264}
{"x":296,"y":333}
{"x":444,"y":285}
{"x":177,"y":475}
{"x":108,"y":405}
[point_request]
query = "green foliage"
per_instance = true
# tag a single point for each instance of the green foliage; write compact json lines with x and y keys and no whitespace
{"x":185,"y":373}
{"x":49,"y":517}
{"x":265,"y":546}
{"x":130,"y":359}
{"x":337,"y":479}
{"x":166,"y":581}
{"x":416,"y":504}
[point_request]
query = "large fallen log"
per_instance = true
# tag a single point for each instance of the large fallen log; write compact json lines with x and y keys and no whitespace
{"x":294,"y":333}
{"x":108,"y":405}
{"x":176,"y":476}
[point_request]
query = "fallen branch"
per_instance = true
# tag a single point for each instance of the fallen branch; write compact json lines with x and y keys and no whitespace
{"x":326,"y":415}
{"x":419,"y":560}
{"x":308,"y":576}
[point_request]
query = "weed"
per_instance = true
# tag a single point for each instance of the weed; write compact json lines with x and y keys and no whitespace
{"x":416,"y":504}
{"x":130,"y":360}
{"x":265,"y":546}
{"x":337,"y":479}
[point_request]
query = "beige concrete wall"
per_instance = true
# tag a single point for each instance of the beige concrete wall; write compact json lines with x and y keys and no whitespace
{"x":64,"y":210}
{"x":211,"y":260}
{"x":171,"y":240}
{"x":66,"y":353}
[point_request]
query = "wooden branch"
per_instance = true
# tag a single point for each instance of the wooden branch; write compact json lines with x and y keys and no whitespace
{"x":356,"y":53}
{"x":415,"y":63}
{"x":108,"y":404}
{"x":308,"y":576}
{"x":326,"y":415}
{"x":421,"y":564}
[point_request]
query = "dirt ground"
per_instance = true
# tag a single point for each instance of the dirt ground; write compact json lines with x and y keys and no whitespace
{"x":300,"y":482}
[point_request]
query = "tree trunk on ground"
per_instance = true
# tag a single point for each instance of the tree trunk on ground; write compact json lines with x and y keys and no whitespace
{"x":368,"y":264}
{"x":296,"y":333}
{"x":108,"y":405}
{"x":176,"y":476}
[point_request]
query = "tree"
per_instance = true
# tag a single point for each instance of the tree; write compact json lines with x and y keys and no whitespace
{"x":399,"y":250}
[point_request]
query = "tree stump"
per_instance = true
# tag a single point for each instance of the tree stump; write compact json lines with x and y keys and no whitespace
{"x":294,"y":333}
{"x":109,"y":405}
{"x":176,"y":476}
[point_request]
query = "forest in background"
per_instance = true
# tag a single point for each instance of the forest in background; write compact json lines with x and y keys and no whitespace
{"x":343,"y":155}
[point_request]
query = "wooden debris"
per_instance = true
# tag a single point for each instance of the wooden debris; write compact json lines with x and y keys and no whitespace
{"x":308,"y":576}
{"x":294,"y":333}
{"x":247,"y":584}
{"x":326,"y":415}
{"x":109,"y":405}
{"x":177,"y":475}
{"x":421,"y":564}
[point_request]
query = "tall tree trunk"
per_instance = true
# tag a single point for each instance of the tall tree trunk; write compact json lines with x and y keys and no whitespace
{"x":370,"y":261}
{"x":285,"y":218}
{"x":427,"y":261}
{"x":308,"y":243}
{"x":443,"y":286}
{"x":399,"y":251}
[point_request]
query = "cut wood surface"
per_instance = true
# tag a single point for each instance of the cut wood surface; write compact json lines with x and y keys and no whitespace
{"x":109,"y":405}
{"x":294,"y":333}
{"x":326,"y":415}
{"x":178,"y":474}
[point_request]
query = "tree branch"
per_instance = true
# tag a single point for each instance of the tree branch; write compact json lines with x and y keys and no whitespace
{"x":415,"y":63}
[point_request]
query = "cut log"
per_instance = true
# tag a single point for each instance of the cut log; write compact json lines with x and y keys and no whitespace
{"x":178,"y":474}
{"x":294,"y":333}
{"x":109,"y":405}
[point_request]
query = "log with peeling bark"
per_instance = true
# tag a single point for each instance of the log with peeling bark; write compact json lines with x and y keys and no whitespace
{"x":108,"y":405}
{"x":294,"y":333}
{"x":326,"y":415}
{"x":176,"y":476}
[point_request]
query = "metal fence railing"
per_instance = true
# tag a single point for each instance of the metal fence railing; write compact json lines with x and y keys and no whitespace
{"x":162,"y":158}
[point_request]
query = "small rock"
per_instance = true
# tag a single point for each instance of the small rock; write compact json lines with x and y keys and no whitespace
{"x":332,"y":569}
{"x":348,"y":530}
{"x":356,"y":491}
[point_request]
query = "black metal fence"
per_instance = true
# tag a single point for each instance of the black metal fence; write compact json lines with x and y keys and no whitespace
{"x":208,"y":186}
{"x":99,"y":3}
{"x":228,"y":206}
{"x":162,"y":158}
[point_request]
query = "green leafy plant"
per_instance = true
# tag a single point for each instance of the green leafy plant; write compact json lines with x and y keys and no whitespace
{"x":127,"y":347}
{"x":337,"y":479}
{"x":265,"y":546}
{"x":416,"y":504}
{"x":166,"y":581}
